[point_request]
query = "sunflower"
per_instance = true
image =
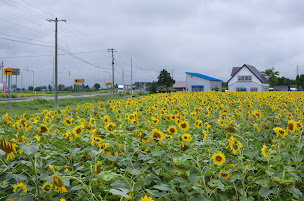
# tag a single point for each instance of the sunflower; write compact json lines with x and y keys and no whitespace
{"x":37,"y":138}
{"x":110,"y":127}
{"x":146,"y":198}
{"x":155,"y":120}
{"x":187,"y":137}
{"x":157,"y":135}
{"x":52,"y":168}
{"x":257,"y":114}
{"x":20,"y":185}
{"x":59,"y":186}
{"x":67,"y":134}
{"x":106,"y":119}
{"x":47,"y":187}
{"x":62,"y":199}
{"x":224,"y":174}
{"x":265,"y":154}
{"x":221,"y":122}
{"x":198,"y":123}
{"x":211,"y":184}
{"x":204,"y":135}
{"x":8,"y":148}
{"x":89,"y":128}
{"x":43,"y":128}
{"x":68,"y":121}
{"x":291,"y":126}
{"x":218,"y":158}
{"x":280,"y":132}
{"x":77,"y":130}
{"x":172,"y":130}
{"x":183,"y":125}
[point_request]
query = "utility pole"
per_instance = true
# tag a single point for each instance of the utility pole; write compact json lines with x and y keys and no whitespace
{"x":172,"y":73}
{"x":56,"y":59}
{"x":112,"y":50}
{"x":2,"y":67}
{"x":297,"y":69}
{"x":131,"y":79}
{"x":123,"y":76}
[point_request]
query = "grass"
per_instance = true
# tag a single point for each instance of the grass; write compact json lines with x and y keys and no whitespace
{"x":38,"y":105}
{"x":49,"y":93}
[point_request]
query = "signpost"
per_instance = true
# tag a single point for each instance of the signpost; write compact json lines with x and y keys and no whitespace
{"x":108,"y":84}
{"x":78,"y":89}
{"x":9,"y":72}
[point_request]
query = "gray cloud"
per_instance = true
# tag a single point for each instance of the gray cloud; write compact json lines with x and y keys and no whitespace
{"x":208,"y":37}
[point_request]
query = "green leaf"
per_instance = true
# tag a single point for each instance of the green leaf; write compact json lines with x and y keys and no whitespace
{"x":157,"y":153}
{"x":106,"y":176}
{"x":118,"y":192}
{"x":154,"y":192}
{"x":296,"y":192}
{"x":76,"y":188}
{"x":250,"y":153}
{"x":163,"y":187}
{"x":264,"y":192}
{"x":29,"y":150}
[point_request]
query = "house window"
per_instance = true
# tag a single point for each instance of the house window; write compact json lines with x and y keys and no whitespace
{"x":245,"y":78}
{"x":239,"y":89}
{"x":253,"y":89}
{"x":248,"y":78}
{"x":240,"y":78}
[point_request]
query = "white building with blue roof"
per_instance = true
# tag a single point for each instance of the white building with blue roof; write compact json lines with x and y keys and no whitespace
{"x":200,"y":82}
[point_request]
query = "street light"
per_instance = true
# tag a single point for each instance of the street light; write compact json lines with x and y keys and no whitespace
{"x":22,"y":80}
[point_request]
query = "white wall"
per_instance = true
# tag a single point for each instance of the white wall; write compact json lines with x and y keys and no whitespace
{"x":208,"y":85}
{"x":234,"y":83}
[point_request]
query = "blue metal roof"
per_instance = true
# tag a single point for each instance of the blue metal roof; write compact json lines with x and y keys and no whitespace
{"x":197,"y":85}
{"x":204,"y":76}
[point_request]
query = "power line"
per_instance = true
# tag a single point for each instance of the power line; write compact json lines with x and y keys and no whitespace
{"x":71,"y":54}
{"x":25,"y":38}
{"x":26,"y":42}
{"x":51,"y":55}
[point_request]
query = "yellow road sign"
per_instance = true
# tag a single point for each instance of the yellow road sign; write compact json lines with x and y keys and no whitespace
{"x":109,"y":84}
{"x":77,"y":80}
{"x":8,"y":71}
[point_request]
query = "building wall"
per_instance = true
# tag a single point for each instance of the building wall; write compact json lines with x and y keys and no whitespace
{"x":217,"y":84}
{"x":280,"y":88}
{"x":208,"y":85}
{"x":233,"y":84}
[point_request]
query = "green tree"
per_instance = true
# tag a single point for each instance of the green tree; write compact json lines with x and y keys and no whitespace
{"x":165,"y":79}
{"x":50,"y":87}
{"x":152,"y":87}
{"x":298,"y":82}
{"x":96,"y":86}
{"x":271,"y":74}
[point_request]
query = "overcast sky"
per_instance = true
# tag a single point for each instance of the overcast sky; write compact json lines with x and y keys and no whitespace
{"x":203,"y":36}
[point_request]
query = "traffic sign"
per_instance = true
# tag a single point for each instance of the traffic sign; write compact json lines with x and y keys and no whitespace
{"x":77,"y":80}
{"x":8,"y":71}
{"x":109,"y":84}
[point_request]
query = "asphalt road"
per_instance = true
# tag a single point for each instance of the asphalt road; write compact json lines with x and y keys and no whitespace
{"x":51,"y":97}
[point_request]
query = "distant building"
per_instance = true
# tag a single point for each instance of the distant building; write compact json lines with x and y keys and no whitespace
{"x":247,"y":78}
{"x":180,"y":86}
{"x":281,"y":88}
{"x":200,"y":82}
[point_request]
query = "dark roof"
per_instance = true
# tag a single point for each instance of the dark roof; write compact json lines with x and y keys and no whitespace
{"x":204,"y":76}
{"x":257,"y":73}
{"x":180,"y":84}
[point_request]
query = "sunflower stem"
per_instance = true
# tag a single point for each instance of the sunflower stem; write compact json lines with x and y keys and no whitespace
{"x":35,"y":171}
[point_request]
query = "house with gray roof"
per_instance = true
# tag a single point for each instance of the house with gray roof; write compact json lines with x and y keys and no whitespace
{"x":247,"y":78}
{"x":200,"y":82}
{"x":179,"y":86}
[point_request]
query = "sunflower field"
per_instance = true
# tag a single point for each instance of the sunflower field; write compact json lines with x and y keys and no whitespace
{"x":177,"y":146}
